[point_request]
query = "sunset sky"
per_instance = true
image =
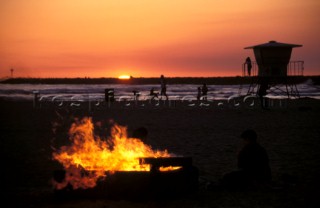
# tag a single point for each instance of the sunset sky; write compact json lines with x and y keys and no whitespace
{"x":146,"y":38}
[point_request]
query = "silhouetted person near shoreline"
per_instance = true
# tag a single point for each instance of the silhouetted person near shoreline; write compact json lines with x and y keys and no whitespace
{"x":153,"y":94}
{"x":199,"y":93}
{"x":204,"y":90}
{"x":253,"y":165}
{"x":163,"y":87}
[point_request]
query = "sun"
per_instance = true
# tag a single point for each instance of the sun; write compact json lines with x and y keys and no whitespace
{"x":124,"y":76}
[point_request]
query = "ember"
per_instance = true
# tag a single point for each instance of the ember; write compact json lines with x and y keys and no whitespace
{"x":89,"y":158}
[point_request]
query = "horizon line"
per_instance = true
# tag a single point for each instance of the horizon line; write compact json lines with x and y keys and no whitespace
{"x":169,"y":77}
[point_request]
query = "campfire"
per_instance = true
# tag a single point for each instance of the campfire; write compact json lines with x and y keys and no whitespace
{"x":90,"y":159}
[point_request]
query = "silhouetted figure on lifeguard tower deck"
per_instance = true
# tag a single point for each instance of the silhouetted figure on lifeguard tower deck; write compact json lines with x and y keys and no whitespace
{"x":248,"y":63}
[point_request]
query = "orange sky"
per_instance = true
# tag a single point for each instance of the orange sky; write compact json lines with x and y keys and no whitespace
{"x":146,"y":38}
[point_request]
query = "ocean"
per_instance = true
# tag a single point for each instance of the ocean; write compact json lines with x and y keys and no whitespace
{"x":174,"y":91}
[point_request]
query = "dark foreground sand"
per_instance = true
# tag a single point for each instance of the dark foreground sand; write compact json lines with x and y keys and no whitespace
{"x":210,"y":136}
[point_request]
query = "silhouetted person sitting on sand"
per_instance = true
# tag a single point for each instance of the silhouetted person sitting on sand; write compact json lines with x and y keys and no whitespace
{"x":253,"y":164}
{"x":141,"y":133}
{"x":153,"y":94}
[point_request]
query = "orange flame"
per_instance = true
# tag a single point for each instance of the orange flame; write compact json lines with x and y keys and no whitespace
{"x":89,"y":157}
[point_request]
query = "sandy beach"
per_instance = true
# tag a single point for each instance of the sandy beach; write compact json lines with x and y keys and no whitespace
{"x":210,"y":136}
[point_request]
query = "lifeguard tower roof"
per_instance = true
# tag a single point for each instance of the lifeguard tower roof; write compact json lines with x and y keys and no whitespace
{"x":273,"y":44}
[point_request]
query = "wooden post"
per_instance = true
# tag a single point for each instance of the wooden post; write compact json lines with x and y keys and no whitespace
{"x":35,"y":99}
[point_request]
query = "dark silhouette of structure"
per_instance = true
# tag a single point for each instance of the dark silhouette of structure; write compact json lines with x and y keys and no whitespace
{"x":262,"y":92}
{"x":109,"y":95}
{"x":275,"y":69}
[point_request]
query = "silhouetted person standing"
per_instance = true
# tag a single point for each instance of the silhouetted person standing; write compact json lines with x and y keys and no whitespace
{"x":163,"y":87}
{"x":249,"y":65}
{"x":204,"y":90}
{"x":253,"y":165}
{"x":199,"y":93}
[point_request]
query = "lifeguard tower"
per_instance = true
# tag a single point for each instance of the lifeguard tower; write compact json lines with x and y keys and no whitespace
{"x":274,"y":68}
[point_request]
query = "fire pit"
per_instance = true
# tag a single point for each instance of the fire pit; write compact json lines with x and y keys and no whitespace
{"x":119,"y":167}
{"x":139,"y":184}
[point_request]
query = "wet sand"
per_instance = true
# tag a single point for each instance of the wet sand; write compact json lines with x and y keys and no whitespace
{"x":210,"y":135}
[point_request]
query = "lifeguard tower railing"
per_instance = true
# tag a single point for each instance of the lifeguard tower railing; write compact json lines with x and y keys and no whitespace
{"x":294,"y":68}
